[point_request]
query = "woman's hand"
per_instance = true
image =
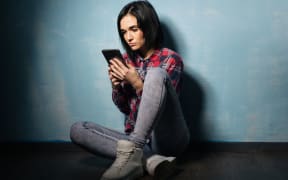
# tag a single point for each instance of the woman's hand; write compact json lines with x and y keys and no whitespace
{"x":114,"y":81}
{"x":121,"y":72}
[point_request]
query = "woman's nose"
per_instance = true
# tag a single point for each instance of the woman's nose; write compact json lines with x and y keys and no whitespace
{"x":129,"y":36}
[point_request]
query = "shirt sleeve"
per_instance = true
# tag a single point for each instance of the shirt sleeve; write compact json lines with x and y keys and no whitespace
{"x":174,"y":67}
{"x":121,"y":98}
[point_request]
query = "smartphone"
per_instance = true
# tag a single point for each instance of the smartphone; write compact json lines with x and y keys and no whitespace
{"x":113,"y":53}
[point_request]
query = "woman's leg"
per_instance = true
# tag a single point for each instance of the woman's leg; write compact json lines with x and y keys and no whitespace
{"x":160,"y":113}
{"x":96,"y":138}
{"x":157,"y":91}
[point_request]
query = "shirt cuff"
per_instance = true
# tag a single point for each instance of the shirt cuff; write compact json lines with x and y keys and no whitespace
{"x":116,"y":89}
{"x":139,"y":93}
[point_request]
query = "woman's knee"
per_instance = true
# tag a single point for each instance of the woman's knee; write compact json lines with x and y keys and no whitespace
{"x":156,"y":74}
{"x":155,"y":80}
{"x":75,"y":131}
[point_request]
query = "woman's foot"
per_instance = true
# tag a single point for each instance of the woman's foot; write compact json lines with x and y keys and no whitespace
{"x":128,"y":163}
{"x":155,"y":160}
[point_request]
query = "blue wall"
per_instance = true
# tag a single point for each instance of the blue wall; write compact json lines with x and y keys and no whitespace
{"x":235,"y":52}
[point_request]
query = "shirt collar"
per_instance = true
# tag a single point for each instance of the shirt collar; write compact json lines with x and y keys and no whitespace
{"x":151,"y":58}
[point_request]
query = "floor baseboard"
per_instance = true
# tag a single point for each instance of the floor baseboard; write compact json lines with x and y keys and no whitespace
{"x":239,"y":146}
{"x":194,"y":147}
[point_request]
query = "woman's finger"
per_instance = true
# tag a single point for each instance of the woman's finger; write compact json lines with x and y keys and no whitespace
{"x":119,"y":66}
{"x":117,"y":75}
{"x":118,"y":71}
{"x":120,"y":63}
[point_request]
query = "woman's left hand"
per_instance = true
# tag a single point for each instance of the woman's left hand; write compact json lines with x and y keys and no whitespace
{"x":129,"y":74}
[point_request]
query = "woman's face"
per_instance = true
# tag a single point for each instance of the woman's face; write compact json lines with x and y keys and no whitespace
{"x":131,"y":33}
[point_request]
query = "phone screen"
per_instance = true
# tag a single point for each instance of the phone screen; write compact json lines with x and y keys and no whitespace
{"x":113,"y":53}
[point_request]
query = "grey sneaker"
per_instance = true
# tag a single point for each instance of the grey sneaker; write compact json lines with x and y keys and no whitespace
{"x":128,"y":164}
{"x":155,"y":160}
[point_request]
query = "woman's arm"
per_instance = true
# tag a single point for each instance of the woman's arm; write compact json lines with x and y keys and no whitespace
{"x":120,"y":97}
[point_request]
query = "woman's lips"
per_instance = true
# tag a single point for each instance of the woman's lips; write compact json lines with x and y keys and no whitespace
{"x":132,"y":44}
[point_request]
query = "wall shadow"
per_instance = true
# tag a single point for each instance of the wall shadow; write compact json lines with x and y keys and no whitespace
{"x":17,"y":47}
{"x":192,"y":97}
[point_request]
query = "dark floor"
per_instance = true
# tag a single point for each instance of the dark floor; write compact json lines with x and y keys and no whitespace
{"x":71,"y":163}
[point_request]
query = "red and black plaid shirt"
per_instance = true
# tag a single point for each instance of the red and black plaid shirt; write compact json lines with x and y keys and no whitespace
{"x":125,"y":96}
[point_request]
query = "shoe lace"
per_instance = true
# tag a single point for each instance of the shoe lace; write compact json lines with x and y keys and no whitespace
{"x":122,"y":158}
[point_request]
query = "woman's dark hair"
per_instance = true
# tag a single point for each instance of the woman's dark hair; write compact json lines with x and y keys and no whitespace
{"x":148,"y":22}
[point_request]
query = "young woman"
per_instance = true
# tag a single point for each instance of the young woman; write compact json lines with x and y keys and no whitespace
{"x":146,"y":91}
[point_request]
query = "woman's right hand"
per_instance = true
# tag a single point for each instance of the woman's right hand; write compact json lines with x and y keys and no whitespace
{"x":114,"y":81}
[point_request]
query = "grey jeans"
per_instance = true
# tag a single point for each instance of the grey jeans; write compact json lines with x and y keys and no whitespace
{"x":159,"y":115}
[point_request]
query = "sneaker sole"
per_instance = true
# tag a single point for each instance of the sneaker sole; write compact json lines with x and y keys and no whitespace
{"x":136,"y":174}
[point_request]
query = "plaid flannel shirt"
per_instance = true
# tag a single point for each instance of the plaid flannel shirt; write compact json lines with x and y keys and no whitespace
{"x":125,"y":96}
